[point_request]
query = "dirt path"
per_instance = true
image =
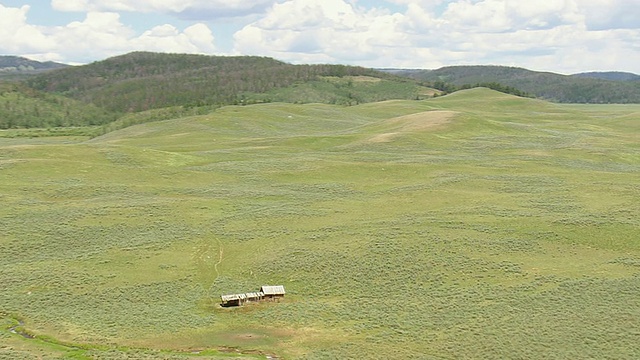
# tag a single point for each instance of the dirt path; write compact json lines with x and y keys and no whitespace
{"x":215,"y":266}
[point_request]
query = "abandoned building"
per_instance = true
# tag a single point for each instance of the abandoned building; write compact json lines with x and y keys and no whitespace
{"x":240,"y":299}
{"x":273,"y":292}
{"x":266,"y":292}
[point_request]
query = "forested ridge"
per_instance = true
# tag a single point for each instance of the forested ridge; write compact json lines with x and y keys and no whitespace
{"x":160,"y":85}
{"x":24,"y":107}
{"x":142,"y":81}
{"x":577,"y":88}
{"x":609,"y":75}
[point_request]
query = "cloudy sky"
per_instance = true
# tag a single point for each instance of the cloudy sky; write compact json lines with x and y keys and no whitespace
{"x":565,"y":36}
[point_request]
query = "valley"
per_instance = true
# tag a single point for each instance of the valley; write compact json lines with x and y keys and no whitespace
{"x":472,"y":225}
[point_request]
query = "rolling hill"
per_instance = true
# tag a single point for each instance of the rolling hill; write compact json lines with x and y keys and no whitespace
{"x":142,"y":81}
{"x":160,"y":86}
{"x":142,"y":86}
{"x":544,"y":85}
{"x":472,"y":225}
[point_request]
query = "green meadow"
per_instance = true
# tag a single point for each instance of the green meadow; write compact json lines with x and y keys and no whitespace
{"x":474,"y":225}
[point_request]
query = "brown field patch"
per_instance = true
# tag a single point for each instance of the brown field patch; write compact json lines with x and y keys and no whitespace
{"x":430,"y":92}
{"x":362,"y":78}
{"x":423,"y":121}
{"x":386,"y":137}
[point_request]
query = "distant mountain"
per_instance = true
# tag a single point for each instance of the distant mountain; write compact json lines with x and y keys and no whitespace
{"x":142,"y":81}
{"x":16,"y":64}
{"x":609,"y":75}
{"x":544,"y":85}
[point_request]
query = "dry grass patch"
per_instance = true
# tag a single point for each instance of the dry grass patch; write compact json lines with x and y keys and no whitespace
{"x":386,"y":137}
{"x":423,"y":121}
{"x":362,"y":79}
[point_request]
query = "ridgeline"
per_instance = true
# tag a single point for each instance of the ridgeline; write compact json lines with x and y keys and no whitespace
{"x":143,"y":86}
{"x":594,"y":88}
{"x":143,"y":81}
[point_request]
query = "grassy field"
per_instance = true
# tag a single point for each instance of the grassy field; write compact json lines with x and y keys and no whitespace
{"x":473,"y":225}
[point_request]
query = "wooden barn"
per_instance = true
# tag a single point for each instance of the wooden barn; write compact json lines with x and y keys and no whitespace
{"x":272,"y":292}
{"x":240,"y":299}
{"x":266,"y":292}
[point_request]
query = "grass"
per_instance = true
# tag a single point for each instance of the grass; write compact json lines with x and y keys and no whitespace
{"x":508,"y":231}
{"x":346,"y":90}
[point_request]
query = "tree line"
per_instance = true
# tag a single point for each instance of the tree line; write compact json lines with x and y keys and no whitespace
{"x":23,"y":107}
{"x":143,"y":81}
{"x":447,"y":88}
{"x":543,"y":85}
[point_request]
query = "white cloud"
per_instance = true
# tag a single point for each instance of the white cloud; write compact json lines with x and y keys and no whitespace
{"x":422,"y":3}
{"x":559,"y":35}
{"x":193,"y":9}
{"x":510,"y":15}
{"x":321,"y":30}
{"x":69,"y":5}
{"x":16,"y":35}
{"x":610,"y":14}
{"x":166,"y":38}
{"x":542,"y":34}
{"x":99,"y":35}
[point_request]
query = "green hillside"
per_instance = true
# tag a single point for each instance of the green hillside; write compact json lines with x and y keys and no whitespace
{"x":141,"y":81}
{"x":23,"y":107}
{"x":544,"y":85}
{"x":609,"y":75}
{"x":473,"y":225}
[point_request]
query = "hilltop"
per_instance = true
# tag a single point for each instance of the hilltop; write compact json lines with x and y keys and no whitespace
{"x":609,"y":75}
{"x":144,"y":86}
{"x":579,"y":88}
{"x":142,"y":81}
{"x":17,"y":67}
{"x":18,"y":63}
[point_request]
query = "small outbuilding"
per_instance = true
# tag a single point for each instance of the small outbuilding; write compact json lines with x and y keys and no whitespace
{"x":232,"y":300}
{"x":266,"y":292}
{"x":254,"y":296}
{"x":240,"y":299}
{"x":272,"y":291}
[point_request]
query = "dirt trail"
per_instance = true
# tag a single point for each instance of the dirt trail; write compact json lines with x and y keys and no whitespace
{"x":215,"y":266}
{"x":207,"y":259}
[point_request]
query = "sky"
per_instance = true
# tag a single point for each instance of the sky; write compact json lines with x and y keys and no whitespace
{"x":563,"y":36}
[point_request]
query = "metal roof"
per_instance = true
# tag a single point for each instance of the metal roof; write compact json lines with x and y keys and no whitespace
{"x":232,"y":297}
{"x":247,"y":296}
{"x":254,"y":295}
{"x":273,"y":290}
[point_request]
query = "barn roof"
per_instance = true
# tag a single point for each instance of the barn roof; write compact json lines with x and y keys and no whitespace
{"x":254,"y":295}
{"x":232,"y":297}
{"x":246,"y":296}
{"x":272,"y":290}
